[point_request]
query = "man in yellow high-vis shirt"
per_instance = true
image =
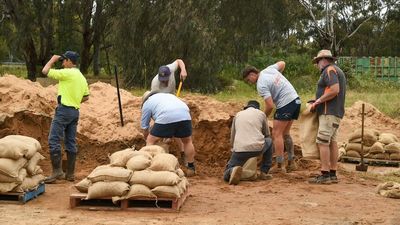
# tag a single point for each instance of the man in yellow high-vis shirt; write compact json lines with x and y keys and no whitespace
{"x":72,"y":91}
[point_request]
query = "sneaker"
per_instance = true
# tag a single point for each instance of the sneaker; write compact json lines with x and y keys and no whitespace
{"x":189,"y":172}
{"x":265,"y":176}
{"x":334,"y":179}
{"x":291,"y":166}
{"x":321,"y":179}
{"x":235,"y":175}
{"x":279,"y":168}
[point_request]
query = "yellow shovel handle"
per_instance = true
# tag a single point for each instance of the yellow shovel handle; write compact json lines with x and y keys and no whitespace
{"x":179,"y":89}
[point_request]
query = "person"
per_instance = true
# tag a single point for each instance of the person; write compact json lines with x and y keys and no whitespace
{"x":329,"y":106}
{"x":72,"y":91}
{"x":164,"y":82}
{"x":249,"y":138}
{"x":171,"y":119}
{"x":276,"y":89}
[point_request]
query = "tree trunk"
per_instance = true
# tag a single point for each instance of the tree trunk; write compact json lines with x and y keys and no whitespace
{"x":98,"y":24}
{"x":30,"y":58}
{"x":87,"y":6}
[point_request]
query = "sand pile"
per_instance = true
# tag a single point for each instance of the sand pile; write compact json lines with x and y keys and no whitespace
{"x":374,"y":119}
{"x":27,"y":109}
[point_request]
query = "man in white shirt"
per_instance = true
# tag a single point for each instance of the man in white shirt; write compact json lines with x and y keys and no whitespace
{"x":164,"y":81}
{"x":277,"y":90}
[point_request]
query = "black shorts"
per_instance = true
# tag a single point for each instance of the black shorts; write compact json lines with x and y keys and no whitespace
{"x":179,"y":129}
{"x":290,"y":111}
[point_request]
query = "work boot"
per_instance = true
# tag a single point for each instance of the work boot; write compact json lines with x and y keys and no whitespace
{"x":235,"y":175}
{"x":265,"y":176}
{"x":57,"y":170}
{"x":71,"y":158}
{"x":190,"y":172}
{"x":321,"y":179}
{"x":278,"y":168}
{"x":291,"y":166}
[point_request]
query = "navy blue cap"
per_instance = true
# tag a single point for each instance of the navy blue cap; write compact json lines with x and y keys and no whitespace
{"x":163,"y":73}
{"x":71,"y":55}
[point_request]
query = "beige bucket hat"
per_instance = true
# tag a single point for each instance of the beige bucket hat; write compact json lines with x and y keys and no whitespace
{"x":324,"y":53}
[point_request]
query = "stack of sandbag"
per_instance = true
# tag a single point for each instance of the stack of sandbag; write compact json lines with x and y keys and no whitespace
{"x":353,"y":147}
{"x":376,"y":146}
{"x":149,"y":172}
{"x":19,"y":158}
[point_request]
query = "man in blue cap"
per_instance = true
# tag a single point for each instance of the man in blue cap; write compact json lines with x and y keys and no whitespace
{"x":72,"y":91}
{"x":164,"y":81}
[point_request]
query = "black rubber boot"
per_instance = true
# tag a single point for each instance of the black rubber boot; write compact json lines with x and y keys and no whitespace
{"x":71,"y":158}
{"x":57,"y":170}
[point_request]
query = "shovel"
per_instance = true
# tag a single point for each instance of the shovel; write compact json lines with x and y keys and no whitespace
{"x":179,"y":88}
{"x":362,"y":167}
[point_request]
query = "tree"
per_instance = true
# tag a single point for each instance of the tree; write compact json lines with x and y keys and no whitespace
{"x":336,"y":21}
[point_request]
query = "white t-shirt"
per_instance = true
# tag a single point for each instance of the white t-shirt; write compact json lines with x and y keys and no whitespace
{"x":156,"y":85}
{"x":271,"y":83}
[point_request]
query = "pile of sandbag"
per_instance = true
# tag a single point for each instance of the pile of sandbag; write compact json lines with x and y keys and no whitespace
{"x":150,"y":172}
{"x":375,"y":146}
{"x":19,"y":158}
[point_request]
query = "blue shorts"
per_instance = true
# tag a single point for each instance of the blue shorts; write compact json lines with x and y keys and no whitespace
{"x":179,"y":129}
{"x":288,"y":112}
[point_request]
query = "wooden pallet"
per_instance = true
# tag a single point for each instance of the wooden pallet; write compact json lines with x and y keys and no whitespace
{"x":77,"y":200}
{"x":22,"y":197}
{"x":372,"y":162}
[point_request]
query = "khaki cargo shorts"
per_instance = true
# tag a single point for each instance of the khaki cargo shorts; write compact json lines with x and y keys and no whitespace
{"x":327,"y":129}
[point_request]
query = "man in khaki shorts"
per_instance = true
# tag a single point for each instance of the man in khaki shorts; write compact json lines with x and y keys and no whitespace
{"x":329,"y":105}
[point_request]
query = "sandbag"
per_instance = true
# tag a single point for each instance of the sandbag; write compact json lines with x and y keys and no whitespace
{"x":11,"y":167}
{"x":164,"y":162}
{"x":357,"y":147}
{"x":183,"y":185}
{"x":180,"y":172}
{"x":153,"y":179}
{"x":11,"y":149}
{"x":249,"y":169}
{"x":309,"y":130}
{"x":370,"y":136}
{"x":153,"y":149}
{"x":83,"y":185}
{"x":138,"y":162}
{"x":392,"y":147}
{"x":389,"y":189}
{"x":381,"y":156}
{"x":102,"y":167}
{"x":394,"y":156}
{"x":18,"y":180}
{"x":107,"y":189}
{"x":7,"y":187}
{"x":377,"y":148}
{"x":30,"y":183}
{"x":137,"y":190}
{"x":31,"y":144}
{"x":167,"y":191}
{"x":32,"y":163}
{"x":120,"y":158}
{"x":388,"y":138}
{"x":110,"y":174}
{"x":352,"y":153}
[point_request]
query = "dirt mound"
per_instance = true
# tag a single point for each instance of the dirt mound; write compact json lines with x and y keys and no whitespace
{"x":374,"y":119}
{"x":28,"y":108}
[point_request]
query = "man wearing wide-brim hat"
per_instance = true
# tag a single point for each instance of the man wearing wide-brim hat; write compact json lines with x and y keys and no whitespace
{"x":329,"y":106}
{"x":249,"y":138}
